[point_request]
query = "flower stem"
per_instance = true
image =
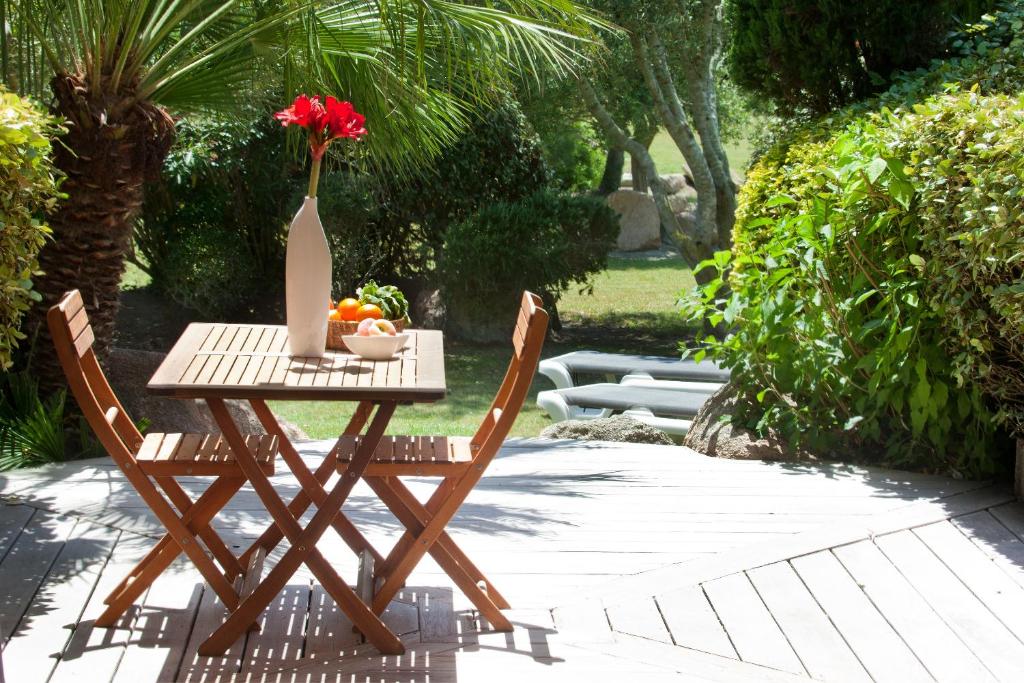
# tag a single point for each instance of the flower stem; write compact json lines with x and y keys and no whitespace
{"x":314,"y":178}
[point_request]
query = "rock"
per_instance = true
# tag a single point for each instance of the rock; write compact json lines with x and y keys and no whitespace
{"x":687,"y":222}
{"x":128,"y":371}
{"x":682,"y":201}
{"x":640,"y":225}
{"x":677,"y":182}
{"x":712,"y":434}
{"x":428,"y":310}
{"x":615,"y":428}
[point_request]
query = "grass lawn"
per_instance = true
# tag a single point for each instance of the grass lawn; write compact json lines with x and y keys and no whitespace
{"x":632,"y":310}
{"x":669,"y":159}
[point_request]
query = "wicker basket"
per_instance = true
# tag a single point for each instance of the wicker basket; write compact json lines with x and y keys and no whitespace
{"x":336,"y":329}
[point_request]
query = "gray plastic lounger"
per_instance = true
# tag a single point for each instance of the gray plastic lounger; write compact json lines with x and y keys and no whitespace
{"x":562,"y":369}
{"x":670,"y":410}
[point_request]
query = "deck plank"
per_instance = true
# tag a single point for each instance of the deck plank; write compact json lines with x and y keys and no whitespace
{"x":27,"y":563}
{"x":750,"y":625}
{"x":32,"y":653}
{"x":162,"y":628}
{"x":990,"y":641}
{"x":821,"y":649}
{"x":641,"y":618}
{"x":95,"y":653}
{"x":998,"y":542}
{"x":281,"y":637}
{"x":693,"y":623}
{"x":878,"y":647}
{"x":943,"y":654}
{"x":13,"y":519}
{"x":196,"y":668}
{"x":993,"y":587}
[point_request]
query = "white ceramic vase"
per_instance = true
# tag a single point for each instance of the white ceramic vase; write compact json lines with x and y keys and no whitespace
{"x":307,"y":282}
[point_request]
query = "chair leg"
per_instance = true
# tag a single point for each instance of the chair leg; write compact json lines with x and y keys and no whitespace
{"x":196,"y":517}
{"x":228,"y":562}
{"x":405,"y":556}
{"x":445,"y":546}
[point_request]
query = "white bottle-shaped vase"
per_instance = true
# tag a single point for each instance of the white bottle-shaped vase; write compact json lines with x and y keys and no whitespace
{"x":307,"y":282}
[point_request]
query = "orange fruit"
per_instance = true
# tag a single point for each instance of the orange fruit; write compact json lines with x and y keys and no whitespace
{"x":334,"y":315}
{"x":369,"y":311}
{"x":349,"y":309}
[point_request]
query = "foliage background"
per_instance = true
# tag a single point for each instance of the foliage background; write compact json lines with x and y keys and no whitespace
{"x":875,"y":289}
{"x":820,"y":55}
{"x":28,"y":189}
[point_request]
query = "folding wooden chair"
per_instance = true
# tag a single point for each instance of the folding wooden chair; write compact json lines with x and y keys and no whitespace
{"x":150,"y":463}
{"x":461,"y":462}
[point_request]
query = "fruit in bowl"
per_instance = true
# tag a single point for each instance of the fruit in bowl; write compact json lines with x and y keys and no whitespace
{"x":372,"y":302}
{"x":373,"y":327}
{"x":375,"y":346}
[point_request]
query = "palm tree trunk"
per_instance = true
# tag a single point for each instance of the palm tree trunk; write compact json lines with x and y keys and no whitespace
{"x":106,"y":162}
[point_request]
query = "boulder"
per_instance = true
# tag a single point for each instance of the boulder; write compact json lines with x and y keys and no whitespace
{"x":677,"y":182}
{"x":128,"y":371}
{"x":639,"y":223}
{"x":682,"y":201}
{"x":713,"y":434}
{"x":428,"y":310}
{"x":687,"y":222}
{"x":615,"y":428}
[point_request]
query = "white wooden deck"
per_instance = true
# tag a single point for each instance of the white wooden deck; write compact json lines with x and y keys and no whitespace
{"x":623,"y":562}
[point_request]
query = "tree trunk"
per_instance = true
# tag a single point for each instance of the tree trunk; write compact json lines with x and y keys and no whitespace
{"x":670,"y":111}
{"x":611,"y":179}
{"x":643,"y":133}
{"x":105,"y":162}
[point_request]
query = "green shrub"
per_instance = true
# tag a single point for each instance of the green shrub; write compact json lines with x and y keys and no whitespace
{"x":220,"y":210}
{"x":876,"y":292}
{"x":28,"y":189}
{"x":213,"y":229}
{"x":819,"y":55}
{"x":35,"y":430}
{"x":499,"y":159}
{"x":544,"y":243}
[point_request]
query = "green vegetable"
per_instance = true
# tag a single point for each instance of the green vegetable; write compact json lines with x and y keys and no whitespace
{"x":388,"y":298}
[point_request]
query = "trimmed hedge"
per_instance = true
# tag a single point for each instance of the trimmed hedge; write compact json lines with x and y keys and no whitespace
{"x":877,"y":286}
{"x":28,"y":189}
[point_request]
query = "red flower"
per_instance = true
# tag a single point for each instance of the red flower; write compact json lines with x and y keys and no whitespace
{"x":305,"y":112}
{"x":325,"y":122}
{"x":343,"y":121}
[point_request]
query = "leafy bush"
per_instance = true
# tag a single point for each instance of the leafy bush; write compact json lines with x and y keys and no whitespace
{"x":544,"y":243}
{"x":28,"y":189}
{"x":819,"y":56}
{"x":876,"y":291}
{"x":216,"y":220}
{"x":499,"y":159}
{"x":213,"y":230}
{"x":35,"y":430}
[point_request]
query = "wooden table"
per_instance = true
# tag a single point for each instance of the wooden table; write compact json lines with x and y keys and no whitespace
{"x":214,"y":362}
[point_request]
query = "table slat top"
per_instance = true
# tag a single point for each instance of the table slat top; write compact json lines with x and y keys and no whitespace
{"x":252,"y":361}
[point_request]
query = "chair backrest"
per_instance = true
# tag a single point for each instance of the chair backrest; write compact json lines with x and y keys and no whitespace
{"x":73,"y":336}
{"x":527,"y":342}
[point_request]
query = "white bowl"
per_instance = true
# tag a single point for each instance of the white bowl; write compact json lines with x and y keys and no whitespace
{"x":383,"y":347}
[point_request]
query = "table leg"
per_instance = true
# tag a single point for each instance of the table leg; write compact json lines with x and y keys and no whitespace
{"x":298,"y":506}
{"x":312,"y":485}
{"x":303,"y":541}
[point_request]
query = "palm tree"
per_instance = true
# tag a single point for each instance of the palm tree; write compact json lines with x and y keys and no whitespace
{"x":116,"y":69}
